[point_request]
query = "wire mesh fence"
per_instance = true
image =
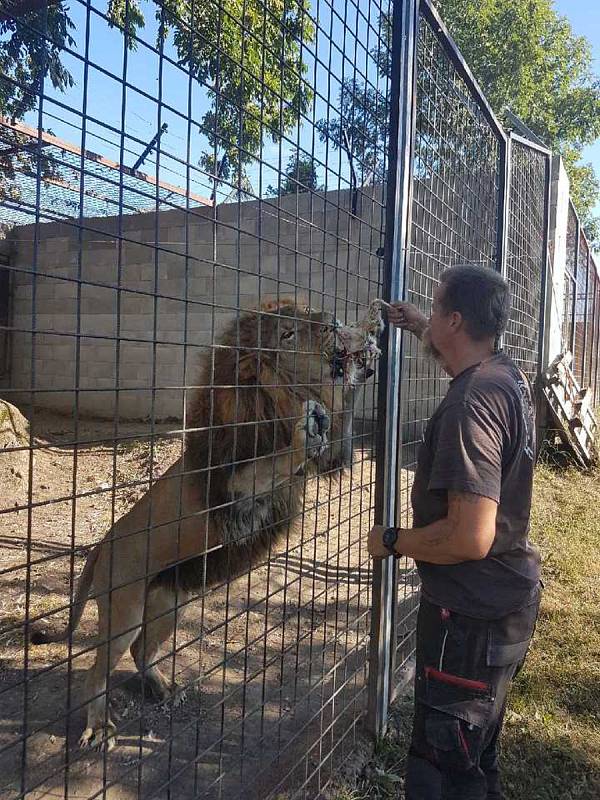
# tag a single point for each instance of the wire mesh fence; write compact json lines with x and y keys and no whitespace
{"x":527,"y":237}
{"x":478,"y":196}
{"x":581,"y":299}
{"x":194,"y":202}
{"x":455,"y":218}
{"x":570,"y":287}
{"x":109,"y":189}
{"x":191,"y":242}
{"x":591,"y":325}
{"x":579,"y":343}
{"x":596,"y":351}
{"x":586,"y":377}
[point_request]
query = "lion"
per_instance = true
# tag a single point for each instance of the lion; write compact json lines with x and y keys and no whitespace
{"x":275,"y":405}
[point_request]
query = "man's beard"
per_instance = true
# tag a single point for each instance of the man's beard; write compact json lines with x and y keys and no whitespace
{"x":429,"y":349}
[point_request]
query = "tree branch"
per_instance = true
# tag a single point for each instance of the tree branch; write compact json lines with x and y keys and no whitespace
{"x":13,"y":9}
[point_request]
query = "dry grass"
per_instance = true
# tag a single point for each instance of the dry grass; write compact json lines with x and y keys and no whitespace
{"x":551,"y":743}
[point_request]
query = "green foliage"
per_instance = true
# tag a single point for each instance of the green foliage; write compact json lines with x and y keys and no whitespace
{"x":585,"y":191}
{"x":246,"y":52}
{"x":128,"y":16}
{"x":300,"y":176}
{"x":361,"y":128}
{"x":525,"y":56}
{"x":26,"y":59}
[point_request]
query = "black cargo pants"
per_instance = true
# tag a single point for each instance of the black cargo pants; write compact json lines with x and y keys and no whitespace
{"x":463,"y":672}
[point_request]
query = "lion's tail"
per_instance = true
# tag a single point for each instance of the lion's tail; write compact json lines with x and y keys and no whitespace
{"x":81,"y":597}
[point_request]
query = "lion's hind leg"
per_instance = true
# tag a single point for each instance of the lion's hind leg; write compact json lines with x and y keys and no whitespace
{"x":120,"y":615}
{"x":160,"y":618}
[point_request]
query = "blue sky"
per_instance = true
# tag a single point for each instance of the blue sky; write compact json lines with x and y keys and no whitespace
{"x":584,"y":16}
{"x":104,"y":96}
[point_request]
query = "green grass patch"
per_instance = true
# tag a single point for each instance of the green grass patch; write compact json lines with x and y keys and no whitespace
{"x":551,"y":740}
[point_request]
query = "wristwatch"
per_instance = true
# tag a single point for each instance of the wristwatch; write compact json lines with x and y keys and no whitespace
{"x":390,"y":537}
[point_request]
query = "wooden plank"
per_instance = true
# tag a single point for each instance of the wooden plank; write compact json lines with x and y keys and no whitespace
{"x":570,"y":408}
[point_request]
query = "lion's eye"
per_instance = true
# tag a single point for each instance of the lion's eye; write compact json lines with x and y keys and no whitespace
{"x":287,"y":335}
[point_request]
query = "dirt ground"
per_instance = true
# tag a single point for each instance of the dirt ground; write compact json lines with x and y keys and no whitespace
{"x":274,"y":662}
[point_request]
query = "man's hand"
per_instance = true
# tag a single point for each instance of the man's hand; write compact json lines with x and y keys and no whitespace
{"x":406,"y":316}
{"x":376,"y":547}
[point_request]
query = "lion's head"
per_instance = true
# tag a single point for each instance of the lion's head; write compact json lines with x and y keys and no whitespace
{"x":309,"y":344}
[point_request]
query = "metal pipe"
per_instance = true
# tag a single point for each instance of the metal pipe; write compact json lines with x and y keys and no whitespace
{"x":547,"y":280}
{"x":150,"y":146}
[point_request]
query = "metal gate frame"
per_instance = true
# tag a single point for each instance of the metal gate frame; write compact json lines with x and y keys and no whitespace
{"x":546,"y":285}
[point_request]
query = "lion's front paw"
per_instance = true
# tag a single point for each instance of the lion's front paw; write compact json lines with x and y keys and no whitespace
{"x":314,"y":425}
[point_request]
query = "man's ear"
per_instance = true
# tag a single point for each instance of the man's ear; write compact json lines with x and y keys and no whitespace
{"x":456,"y":320}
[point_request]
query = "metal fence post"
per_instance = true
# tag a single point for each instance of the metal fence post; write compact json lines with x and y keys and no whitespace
{"x":547,"y":280}
{"x":404,"y":33}
{"x":504,"y":205}
{"x":503,"y":212}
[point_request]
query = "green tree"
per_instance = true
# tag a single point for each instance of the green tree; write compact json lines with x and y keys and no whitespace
{"x":361,"y":128}
{"x":300,"y":176}
{"x":26,"y":59}
{"x":525,"y":57}
{"x":247,"y":53}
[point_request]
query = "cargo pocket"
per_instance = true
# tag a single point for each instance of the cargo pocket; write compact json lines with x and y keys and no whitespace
{"x":449,"y":743}
{"x":457,"y":713}
{"x":509,"y":637}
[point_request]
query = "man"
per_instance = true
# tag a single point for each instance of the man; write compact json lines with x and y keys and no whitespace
{"x":471,"y":501}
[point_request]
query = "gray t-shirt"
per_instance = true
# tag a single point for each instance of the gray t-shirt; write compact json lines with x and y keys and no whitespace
{"x":481,"y":440}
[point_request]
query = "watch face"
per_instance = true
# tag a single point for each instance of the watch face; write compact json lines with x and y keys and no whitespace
{"x":389,"y":537}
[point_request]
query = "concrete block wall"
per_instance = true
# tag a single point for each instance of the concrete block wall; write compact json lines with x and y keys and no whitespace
{"x":137,"y":302}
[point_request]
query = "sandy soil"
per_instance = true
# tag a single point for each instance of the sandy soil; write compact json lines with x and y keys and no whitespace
{"x":274,"y":662}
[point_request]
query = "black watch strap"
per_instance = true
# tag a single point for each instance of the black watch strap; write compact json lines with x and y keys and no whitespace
{"x":390,"y":537}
